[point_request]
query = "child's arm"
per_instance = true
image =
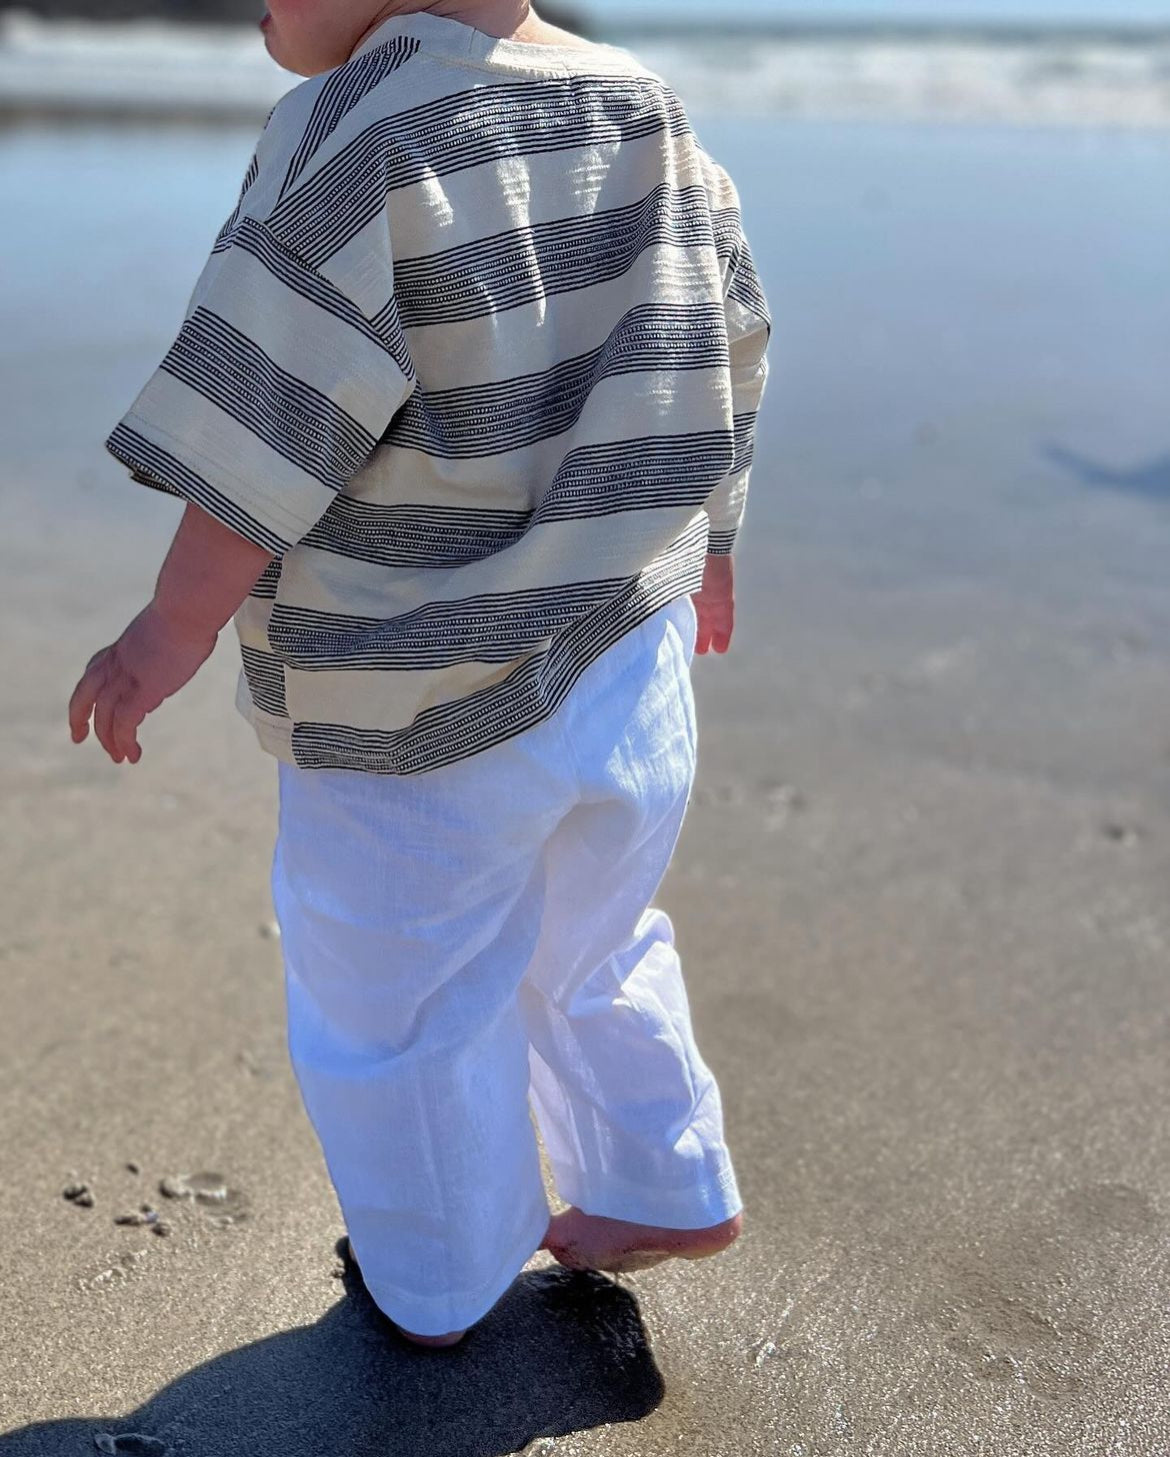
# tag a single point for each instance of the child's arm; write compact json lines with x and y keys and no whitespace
{"x":208,"y":572}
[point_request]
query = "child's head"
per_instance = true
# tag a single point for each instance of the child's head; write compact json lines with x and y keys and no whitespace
{"x":310,"y":36}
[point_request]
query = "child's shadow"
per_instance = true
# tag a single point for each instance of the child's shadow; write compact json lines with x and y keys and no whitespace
{"x":561,"y":1352}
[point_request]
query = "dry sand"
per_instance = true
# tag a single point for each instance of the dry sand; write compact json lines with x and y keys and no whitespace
{"x":921,"y":893}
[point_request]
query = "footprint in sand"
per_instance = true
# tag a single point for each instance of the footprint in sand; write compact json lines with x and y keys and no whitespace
{"x":717,"y":794}
{"x":999,"y":1337}
{"x":1119,"y":1208}
{"x":1122,"y":832}
{"x":255,"y":1066}
{"x":224,"y":1204}
{"x":780,"y":802}
{"x":776,"y":799}
{"x":116,"y":1269}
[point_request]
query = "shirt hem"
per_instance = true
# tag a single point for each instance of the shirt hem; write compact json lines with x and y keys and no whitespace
{"x":468,"y":726}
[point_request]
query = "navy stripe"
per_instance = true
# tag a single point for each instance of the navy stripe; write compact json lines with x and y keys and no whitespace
{"x":506,"y":415}
{"x":745,"y":441}
{"x":268,"y":581}
{"x":485,"y":124}
{"x":645,"y":474}
{"x":491,"y":627}
{"x":265,"y":675}
{"x":414,"y":536}
{"x":727,"y":224}
{"x":721,"y":543}
{"x":145,"y":480}
{"x":745,"y":286}
{"x":517,"y":267}
{"x":299,"y":423}
{"x":344,"y":88}
{"x":642,"y":474}
{"x":223,"y":240}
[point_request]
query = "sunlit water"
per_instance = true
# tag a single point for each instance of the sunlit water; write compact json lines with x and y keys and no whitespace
{"x":1051,"y":76}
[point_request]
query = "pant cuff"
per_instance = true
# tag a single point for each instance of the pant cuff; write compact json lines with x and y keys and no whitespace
{"x":708,"y":1201}
{"x":435,"y":1315}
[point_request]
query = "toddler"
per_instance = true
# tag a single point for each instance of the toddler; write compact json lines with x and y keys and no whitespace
{"x":462,"y":412}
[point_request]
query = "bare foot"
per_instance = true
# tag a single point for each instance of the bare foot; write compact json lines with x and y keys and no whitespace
{"x":581,"y":1241}
{"x":451,"y":1338}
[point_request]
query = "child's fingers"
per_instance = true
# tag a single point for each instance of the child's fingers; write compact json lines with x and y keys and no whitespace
{"x":85,"y":695}
{"x":128,"y":714}
{"x":721,"y":632}
{"x":103,"y":719}
{"x":721,"y":619}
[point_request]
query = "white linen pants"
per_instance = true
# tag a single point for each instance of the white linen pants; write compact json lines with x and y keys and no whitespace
{"x":460,"y":942}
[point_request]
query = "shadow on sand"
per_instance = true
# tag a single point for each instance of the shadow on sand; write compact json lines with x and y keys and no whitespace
{"x":1151,"y":480}
{"x":561,"y":1352}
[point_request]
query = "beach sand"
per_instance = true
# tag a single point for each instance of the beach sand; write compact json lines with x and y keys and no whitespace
{"x":921,"y":892}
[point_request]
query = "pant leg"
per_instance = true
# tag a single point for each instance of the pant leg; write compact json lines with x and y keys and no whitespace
{"x":629,"y":1111}
{"x":409,"y":908}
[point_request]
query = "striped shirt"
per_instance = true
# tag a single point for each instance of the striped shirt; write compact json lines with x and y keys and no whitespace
{"x":478,"y":356}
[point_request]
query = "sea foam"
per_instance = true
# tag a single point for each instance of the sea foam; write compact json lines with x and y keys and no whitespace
{"x":156,"y":70}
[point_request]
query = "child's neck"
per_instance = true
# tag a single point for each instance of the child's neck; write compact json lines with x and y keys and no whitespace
{"x":505,"y":19}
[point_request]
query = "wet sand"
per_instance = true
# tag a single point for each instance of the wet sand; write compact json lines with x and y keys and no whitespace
{"x":921,"y":893}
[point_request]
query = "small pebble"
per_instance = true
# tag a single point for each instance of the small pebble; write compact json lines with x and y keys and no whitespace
{"x":74,"y":1191}
{"x":161,"y":1227}
{"x":145,"y":1215}
{"x":84,"y":1201}
{"x":133,"y":1167}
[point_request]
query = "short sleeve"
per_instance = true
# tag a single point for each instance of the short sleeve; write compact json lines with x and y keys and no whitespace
{"x":273,"y":396}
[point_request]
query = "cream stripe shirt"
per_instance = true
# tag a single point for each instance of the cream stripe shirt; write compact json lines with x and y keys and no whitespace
{"x":478,"y":355}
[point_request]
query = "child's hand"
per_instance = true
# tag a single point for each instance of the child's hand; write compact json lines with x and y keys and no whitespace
{"x":152,"y":659}
{"x":715,"y":605}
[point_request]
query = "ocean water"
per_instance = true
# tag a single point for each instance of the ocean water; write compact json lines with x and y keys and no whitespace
{"x":1064,"y":80}
{"x":1057,"y":77}
{"x":970,"y":12}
